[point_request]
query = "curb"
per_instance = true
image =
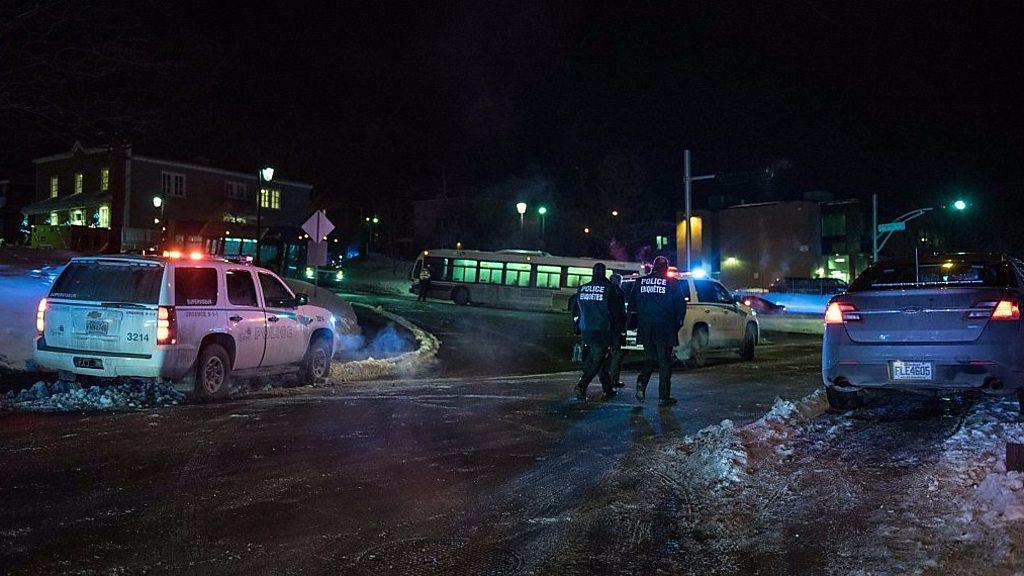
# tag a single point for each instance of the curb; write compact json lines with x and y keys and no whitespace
{"x":405,"y":364}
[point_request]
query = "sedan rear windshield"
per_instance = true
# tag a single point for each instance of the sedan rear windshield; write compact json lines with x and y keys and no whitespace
{"x":110,"y":281}
{"x":904,"y":276}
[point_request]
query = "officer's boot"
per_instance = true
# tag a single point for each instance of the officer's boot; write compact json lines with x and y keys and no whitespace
{"x":581,"y":392}
{"x":641,"y":387}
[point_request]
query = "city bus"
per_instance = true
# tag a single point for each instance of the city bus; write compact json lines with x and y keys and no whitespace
{"x":519,"y":279}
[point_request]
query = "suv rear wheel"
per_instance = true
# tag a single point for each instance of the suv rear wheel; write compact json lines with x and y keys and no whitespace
{"x":749,"y":342}
{"x":698,"y":348}
{"x":316,"y":365}
{"x":213,"y":373}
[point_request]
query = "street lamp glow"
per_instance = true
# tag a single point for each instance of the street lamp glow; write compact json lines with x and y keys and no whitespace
{"x":157,"y":201}
{"x":615,"y":212}
{"x":960,"y":205}
{"x":542,"y":210}
{"x":267,"y":173}
{"x":731,"y":261}
{"x":376,"y":220}
{"x":586,"y":230}
{"x":521,"y":208}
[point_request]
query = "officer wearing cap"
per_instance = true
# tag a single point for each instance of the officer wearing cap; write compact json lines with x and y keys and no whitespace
{"x":660,"y":309}
{"x":602,"y":316}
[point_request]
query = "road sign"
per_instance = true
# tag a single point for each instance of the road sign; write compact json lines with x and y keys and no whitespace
{"x":892,"y":227}
{"x":318,"y":226}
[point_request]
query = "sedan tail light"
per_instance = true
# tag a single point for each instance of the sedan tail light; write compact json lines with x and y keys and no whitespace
{"x":840,"y":312}
{"x":166,"y":325}
{"x":41,"y":315}
{"x":1004,"y":309}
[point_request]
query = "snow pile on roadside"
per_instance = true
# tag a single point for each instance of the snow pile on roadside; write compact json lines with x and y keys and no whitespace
{"x":722,"y":455}
{"x":64,"y":396}
{"x":407,"y":364}
{"x":976,"y":456}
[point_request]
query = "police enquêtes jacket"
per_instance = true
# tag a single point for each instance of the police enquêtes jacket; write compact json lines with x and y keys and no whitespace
{"x":601,"y":310}
{"x":660,"y":308}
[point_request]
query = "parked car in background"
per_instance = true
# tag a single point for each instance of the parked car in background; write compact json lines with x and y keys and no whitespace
{"x":715,"y":320}
{"x":803,"y":295}
{"x":760,"y":304}
{"x":939,"y":324}
{"x":191,"y":320}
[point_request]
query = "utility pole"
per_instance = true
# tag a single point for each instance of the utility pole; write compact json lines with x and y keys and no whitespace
{"x":874,"y":228}
{"x":689,"y":179}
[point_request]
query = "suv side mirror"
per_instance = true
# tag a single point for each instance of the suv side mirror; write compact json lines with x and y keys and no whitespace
{"x":301,"y":299}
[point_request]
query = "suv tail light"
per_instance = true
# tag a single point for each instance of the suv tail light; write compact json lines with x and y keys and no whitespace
{"x":1004,"y":309}
{"x":41,"y":315}
{"x":166,"y":325}
{"x":840,"y":312}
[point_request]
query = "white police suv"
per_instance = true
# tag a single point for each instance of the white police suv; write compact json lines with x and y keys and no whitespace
{"x":191,"y":320}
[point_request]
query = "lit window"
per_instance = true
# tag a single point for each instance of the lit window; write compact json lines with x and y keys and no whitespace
{"x":54,"y":184}
{"x":464,"y":270}
{"x":54,"y":219}
{"x":270,"y":198}
{"x":549,"y":276}
{"x":576,"y":276}
{"x":235,"y":190}
{"x":490,"y":272}
{"x":77,"y":217}
{"x":79,"y":179}
{"x":104,"y":179}
{"x":104,"y":217}
{"x":173,"y":184}
{"x":517,"y":274}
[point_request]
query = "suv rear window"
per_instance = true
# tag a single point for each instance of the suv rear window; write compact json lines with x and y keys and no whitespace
{"x":195,"y":286}
{"x":110,"y":281}
{"x":901,"y":276}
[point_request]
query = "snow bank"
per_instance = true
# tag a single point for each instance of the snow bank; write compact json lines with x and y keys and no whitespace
{"x":723,"y":455}
{"x":64,"y":396}
{"x":975,"y":456}
{"x":406,"y":364}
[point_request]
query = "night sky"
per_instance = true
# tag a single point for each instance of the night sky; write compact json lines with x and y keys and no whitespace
{"x":376,"y":103}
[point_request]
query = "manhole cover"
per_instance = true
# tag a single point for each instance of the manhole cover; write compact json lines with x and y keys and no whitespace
{"x":438,"y":556}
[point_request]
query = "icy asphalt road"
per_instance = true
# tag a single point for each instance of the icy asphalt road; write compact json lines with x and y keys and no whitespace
{"x":460,"y":475}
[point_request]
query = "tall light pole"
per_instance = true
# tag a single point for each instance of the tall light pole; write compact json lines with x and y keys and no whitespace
{"x":158,"y":202}
{"x":265,"y":174}
{"x":898,"y":224}
{"x":543,"y":211}
{"x":689,"y":179}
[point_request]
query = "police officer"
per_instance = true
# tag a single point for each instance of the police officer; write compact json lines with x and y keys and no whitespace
{"x":602,"y":315}
{"x":660,"y":308}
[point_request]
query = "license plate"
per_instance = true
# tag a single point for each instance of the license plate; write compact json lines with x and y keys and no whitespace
{"x":99,"y":327}
{"x":911,"y":370}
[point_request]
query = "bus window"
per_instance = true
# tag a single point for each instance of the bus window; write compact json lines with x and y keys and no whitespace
{"x":517,"y":274}
{"x":464,"y":270}
{"x":575,"y":276}
{"x":548,"y":276}
{"x":490,"y":272}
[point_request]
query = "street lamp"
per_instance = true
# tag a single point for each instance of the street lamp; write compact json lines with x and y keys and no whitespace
{"x":265,"y":174}
{"x":158,"y":202}
{"x":899,"y":224}
{"x":543,"y":211}
{"x":960,"y":205}
{"x":521,"y":209}
{"x":615,"y":213}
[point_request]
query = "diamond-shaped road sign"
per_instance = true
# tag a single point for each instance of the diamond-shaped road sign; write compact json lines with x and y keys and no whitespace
{"x":318,"y":226}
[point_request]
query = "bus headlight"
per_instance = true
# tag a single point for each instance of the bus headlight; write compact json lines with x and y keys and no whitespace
{"x":339,"y":275}
{"x":309,"y":272}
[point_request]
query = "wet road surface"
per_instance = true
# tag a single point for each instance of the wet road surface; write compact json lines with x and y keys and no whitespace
{"x":465,"y":475}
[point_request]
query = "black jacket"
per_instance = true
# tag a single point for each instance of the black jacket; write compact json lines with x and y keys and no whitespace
{"x":601,"y":311}
{"x":660,"y":308}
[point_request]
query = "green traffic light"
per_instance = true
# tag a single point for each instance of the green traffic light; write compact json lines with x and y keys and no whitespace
{"x":960,"y":205}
